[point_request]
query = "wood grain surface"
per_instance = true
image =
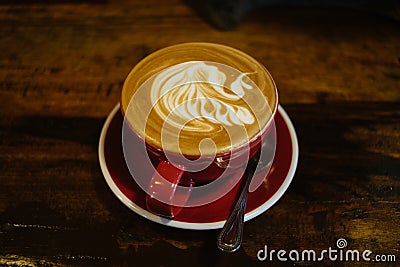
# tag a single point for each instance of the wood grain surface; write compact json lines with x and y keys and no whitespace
{"x":62,"y":65}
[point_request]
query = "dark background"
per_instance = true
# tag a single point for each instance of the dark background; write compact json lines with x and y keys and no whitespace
{"x":62,"y":65}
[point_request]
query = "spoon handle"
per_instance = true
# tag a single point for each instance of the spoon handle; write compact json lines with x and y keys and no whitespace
{"x":230,"y":237}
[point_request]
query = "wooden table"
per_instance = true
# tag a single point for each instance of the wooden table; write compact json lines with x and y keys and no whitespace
{"x":62,"y":65}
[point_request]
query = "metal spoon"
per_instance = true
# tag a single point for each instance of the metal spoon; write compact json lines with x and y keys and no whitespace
{"x":230,"y":237}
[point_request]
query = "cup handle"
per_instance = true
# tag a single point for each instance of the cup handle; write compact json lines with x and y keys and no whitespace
{"x":160,"y":188}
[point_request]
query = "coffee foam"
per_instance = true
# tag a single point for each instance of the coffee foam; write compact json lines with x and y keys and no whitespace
{"x":180,"y":104}
{"x":197,"y":90}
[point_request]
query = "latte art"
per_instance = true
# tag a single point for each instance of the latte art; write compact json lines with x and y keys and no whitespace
{"x":200,"y":90}
{"x":198,"y":99}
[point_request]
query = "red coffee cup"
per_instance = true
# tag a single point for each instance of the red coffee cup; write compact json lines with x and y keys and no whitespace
{"x":170,"y":162}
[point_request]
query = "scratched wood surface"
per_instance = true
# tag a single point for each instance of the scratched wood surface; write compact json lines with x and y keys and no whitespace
{"x":62,"y":64}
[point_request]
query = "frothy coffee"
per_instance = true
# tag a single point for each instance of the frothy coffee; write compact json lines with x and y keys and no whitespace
{"x":199,"y":90}
{"x":198,"y":99}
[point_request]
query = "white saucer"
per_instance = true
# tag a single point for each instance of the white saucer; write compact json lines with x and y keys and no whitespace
{"x":259,"y":201}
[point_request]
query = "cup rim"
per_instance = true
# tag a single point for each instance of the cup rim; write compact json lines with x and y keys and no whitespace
{"x":223,"y":153}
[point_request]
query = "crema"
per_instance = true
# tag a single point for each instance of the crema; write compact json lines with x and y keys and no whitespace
{"x":198,"y":99}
